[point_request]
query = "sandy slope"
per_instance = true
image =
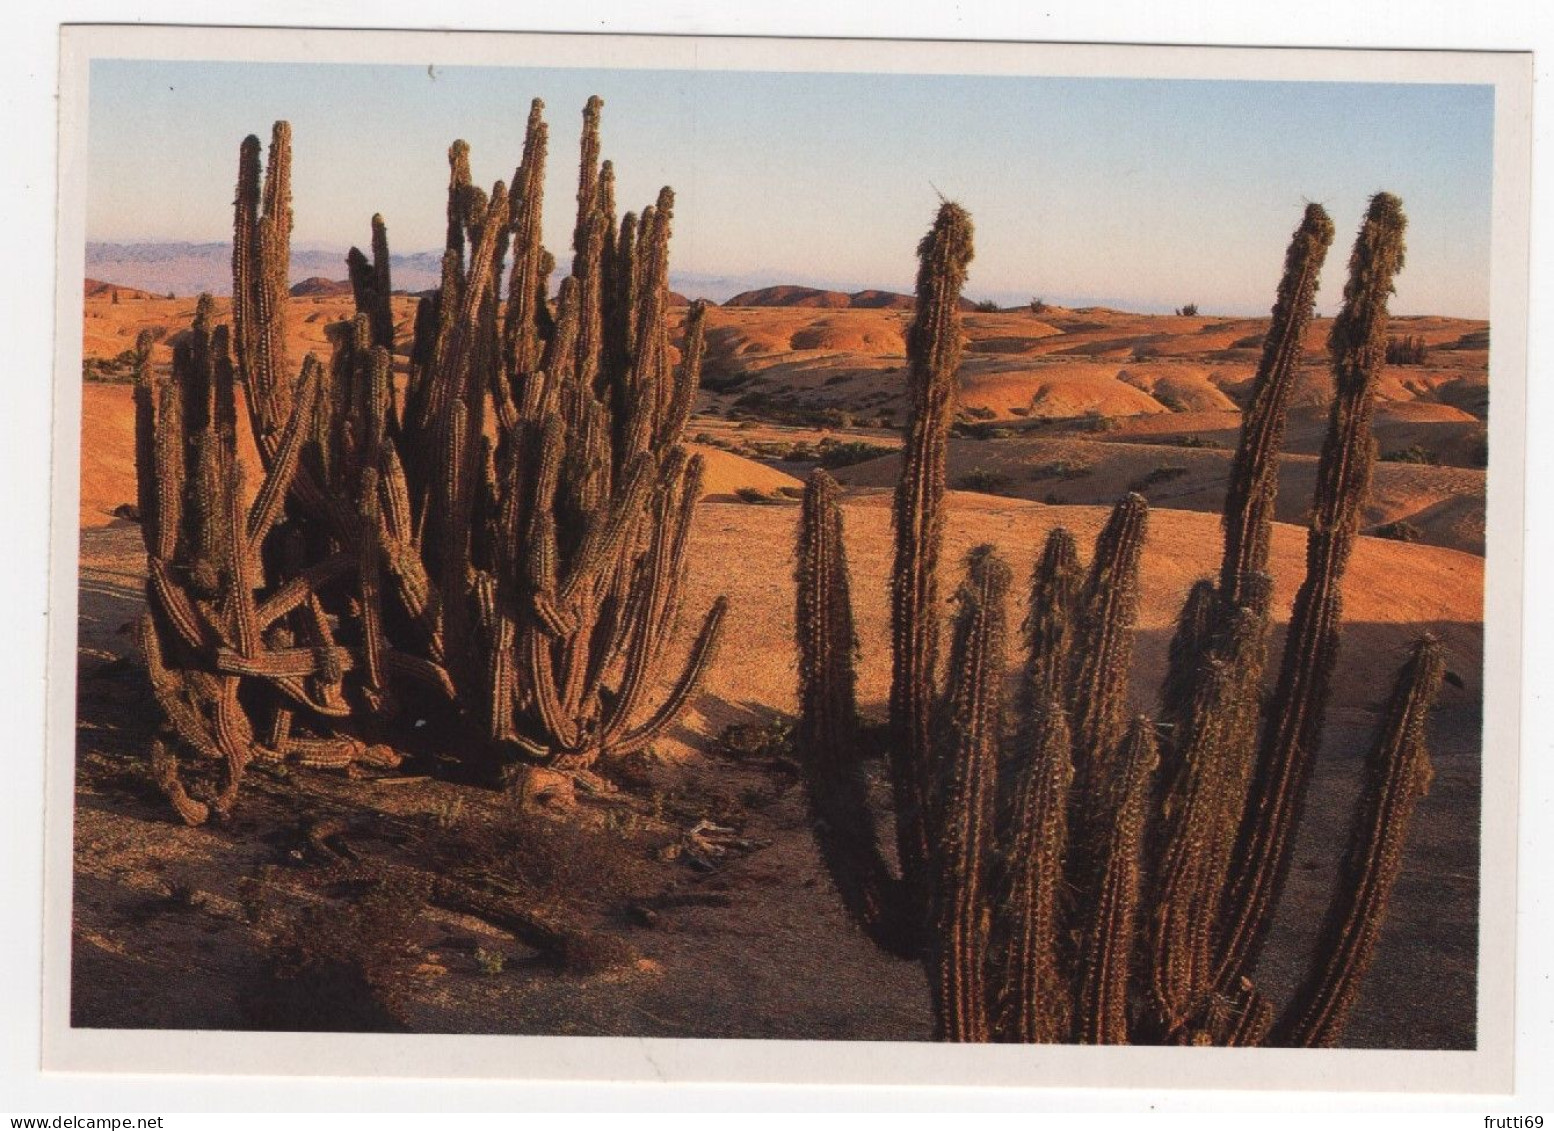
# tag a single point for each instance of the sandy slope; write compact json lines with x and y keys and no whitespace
{"x":1446,"y":504}
{"x":1391,"y":593}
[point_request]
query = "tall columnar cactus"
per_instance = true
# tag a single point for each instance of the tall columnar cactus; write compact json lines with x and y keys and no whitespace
{"x":1070,"y":875}
{"x":934,"y":348}
{"x":506,"y":536}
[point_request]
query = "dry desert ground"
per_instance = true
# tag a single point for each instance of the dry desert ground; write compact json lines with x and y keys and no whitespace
{"x":687,"y":878}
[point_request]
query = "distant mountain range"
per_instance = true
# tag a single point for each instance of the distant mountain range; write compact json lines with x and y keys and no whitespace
{"x":191,"y":268}
{"x":185,"y":268}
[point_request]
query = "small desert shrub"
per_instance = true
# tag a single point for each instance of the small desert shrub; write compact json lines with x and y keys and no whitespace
{"x":119,"y":368}
{"x":979,"y":412}
{"x":1060,"y":469}
{"x":1412,"y":454}
{"x":988,"y":306}
{"x":558,"y":866}
{"x":1038,"y":306}
{"x":1188,"y":311}
{"x":1162,"y":474}
{"x":1095,"y":421}
{"x":1194,"y":442}
{"x":981,"y":479}
{"x":342,"y":968}
{"x":1145,"y":352}
{"x":748,"y":425}
{"x":743,"y":742}
{"x":791,"y":491}
{"x":492,"y":962}
{"x":800,"y":452}
{"x":1400,"y":531}
{"x":1407,"y":350}
{"x":1172,"y":401}
{"x":752,"y":495}
{"x":1020,"y":410}
{"x":847,"y":452}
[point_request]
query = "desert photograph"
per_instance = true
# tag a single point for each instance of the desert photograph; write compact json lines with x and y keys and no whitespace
{"x":816,"y":556}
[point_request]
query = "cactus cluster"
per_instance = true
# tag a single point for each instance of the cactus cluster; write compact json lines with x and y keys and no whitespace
{"x":1065,"y":870}
{"x":501,"y":537}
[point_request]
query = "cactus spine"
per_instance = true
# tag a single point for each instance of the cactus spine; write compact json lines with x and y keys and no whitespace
{"x":509,"y":539}
{"x":1170,"y":841}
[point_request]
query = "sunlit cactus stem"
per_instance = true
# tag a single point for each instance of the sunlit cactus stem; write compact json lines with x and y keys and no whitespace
{"x":975,"y":710}
{"x":934,"y":349}
{"x":1397,"y":775}
{"x":1358,"y":342}
{"x":1254,"y":478}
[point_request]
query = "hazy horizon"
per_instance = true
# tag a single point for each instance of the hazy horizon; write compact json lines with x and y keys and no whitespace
{"x":1141,"y":193}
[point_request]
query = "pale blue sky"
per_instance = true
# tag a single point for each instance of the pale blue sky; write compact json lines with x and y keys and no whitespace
{"x":1141,"y":193}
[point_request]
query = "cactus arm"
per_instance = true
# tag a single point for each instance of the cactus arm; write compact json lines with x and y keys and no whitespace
{"x":239,"y":579}
{"x":521,"y":330}
{"x":1100,"y":658}
{"x":541,"y":683}
{"x":148,"y":480}
{"x":648,"y":609}
{"x":170,"y":691}
{"x":687,"y":376}
{"x":703,"y":650}
{"x":1289,"y":746}
{"x":371,"y":285}
{"x":1191,"y":642}
{"x":1049,"y":625}
{"x":260,"y":265}
{"x":595,"y":230}
{"x":1192,"y":864}
{"x":933,"y":346}
{"x":305,"y":584}
{"x":1397,"y":774}
{"x":173,"y":603}
{"x":1254,"y":478}
{"x":1105,"y":963}
{"x":1103,"y":641}
{"x":1037,"y":1001}
{"x":164,"y":772}
{"x":283,"y":467}
{"x":369,"y":574}
{"x":959,"y":952}
{"x":235,"y":739}
{"x":826,"y":740}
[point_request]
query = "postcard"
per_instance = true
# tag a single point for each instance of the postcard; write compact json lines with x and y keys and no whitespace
{"x":777,"y":560}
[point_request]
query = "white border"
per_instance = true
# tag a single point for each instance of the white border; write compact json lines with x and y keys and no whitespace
{"x":767,"y":1060}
